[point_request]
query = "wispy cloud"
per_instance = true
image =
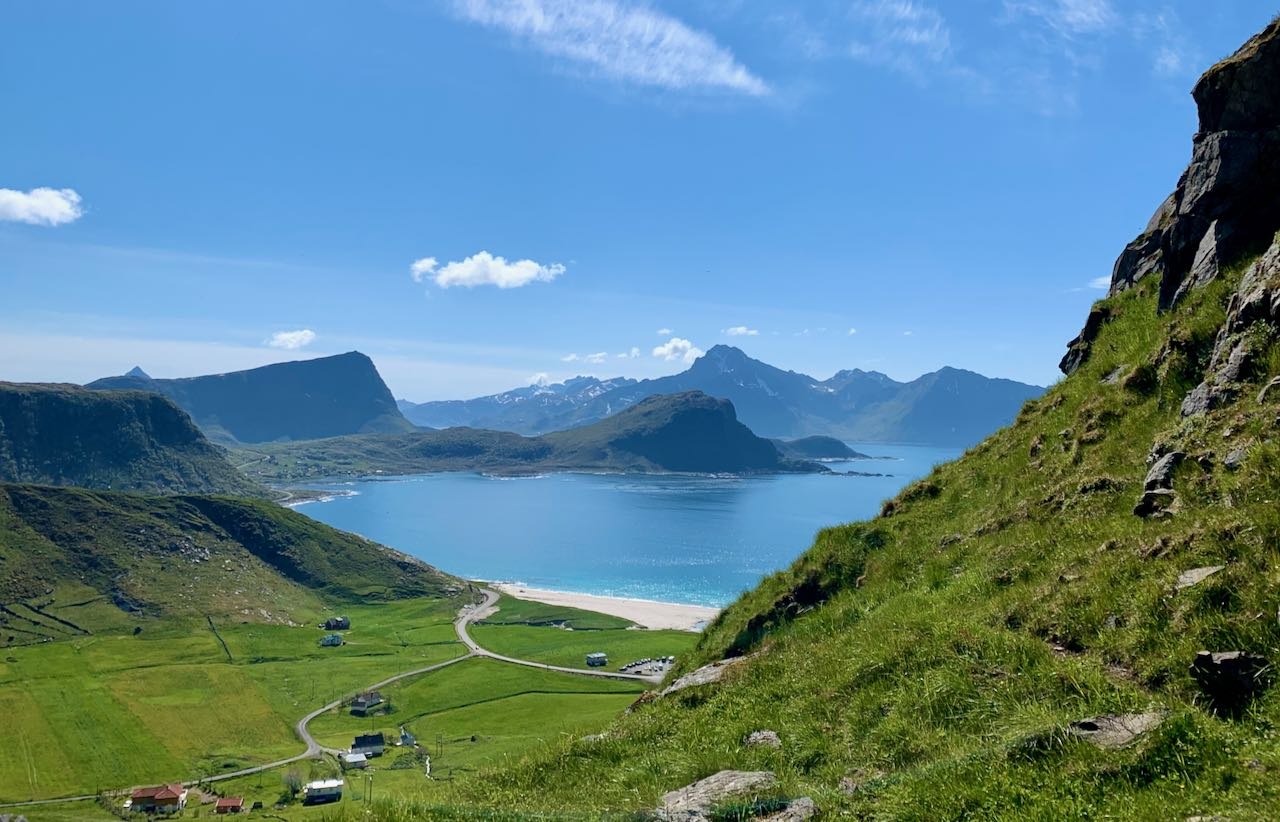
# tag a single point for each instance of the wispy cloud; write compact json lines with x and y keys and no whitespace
{"x":665,"y":332}
{"x":678,"y":349}
{"x":292,"y":340}
{"x":40,"y":206}
{"x":1100,"y":283}
{"x":1069,"y":17}
{"x":852,"y":331}
{"x":633,"y":354}
{"x":740,"y":331}
{"x":906,"y":35}
{"x":484,"y":269}
{"x":628,"y":42}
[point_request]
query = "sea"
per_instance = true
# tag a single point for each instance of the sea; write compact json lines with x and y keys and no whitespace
{"x":699,"y":540}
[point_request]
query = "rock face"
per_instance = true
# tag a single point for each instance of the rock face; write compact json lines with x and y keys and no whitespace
{"x":1229,"y":679}
{"x":705,"y":675}
{"x":694,"y":803}
{"x":1192,"y":578}
{"x":1116,"y":731}
{"x":1225,"y":205}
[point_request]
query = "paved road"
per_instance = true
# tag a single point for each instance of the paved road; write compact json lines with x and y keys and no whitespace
{"x":485,"y":609}
{"x":468,"y":615}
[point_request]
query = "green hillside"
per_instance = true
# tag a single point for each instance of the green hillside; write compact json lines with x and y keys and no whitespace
{"x":1077,"y":619}
{"x":122,"y":440}
{"x":688,"y":432}
{"x":135,"y":557}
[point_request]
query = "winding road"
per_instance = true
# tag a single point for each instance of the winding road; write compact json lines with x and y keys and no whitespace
{"x":468,"y":615}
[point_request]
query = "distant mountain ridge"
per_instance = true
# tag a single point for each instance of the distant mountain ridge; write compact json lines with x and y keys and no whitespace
{"x":678,"y":433}
{"x":946,"y":407}
{"x":121,"y":440}
{"x":305,"y":399}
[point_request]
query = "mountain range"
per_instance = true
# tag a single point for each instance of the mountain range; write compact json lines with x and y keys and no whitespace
{"x":307,"y":399}
{"x":679,"y":433}
{"x":946,"y":407}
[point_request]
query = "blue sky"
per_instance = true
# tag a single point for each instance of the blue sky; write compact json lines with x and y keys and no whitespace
{"x":478,"y":193}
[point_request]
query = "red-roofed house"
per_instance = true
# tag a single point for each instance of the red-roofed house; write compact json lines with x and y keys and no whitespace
{"x":229,"y":804}
{"x":159,"y":799}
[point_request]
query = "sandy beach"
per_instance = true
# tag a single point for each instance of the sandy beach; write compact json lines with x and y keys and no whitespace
{"x":643,"y":612}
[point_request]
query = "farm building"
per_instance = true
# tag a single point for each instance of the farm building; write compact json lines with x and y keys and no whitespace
{"x":331,"y":640}
{"x":321,"y":791}
{"x":366,"y":703}
{"x":353,"y":761}
{"x":406,"y":738}
{"x":369,"y":744}
{"x":159,"y":799}
{"x":337,"y":624}
{"x":597,"y":660}
{"x":229,"y":804}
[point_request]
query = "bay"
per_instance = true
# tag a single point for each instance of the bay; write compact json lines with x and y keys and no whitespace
{"x":685,"y":539}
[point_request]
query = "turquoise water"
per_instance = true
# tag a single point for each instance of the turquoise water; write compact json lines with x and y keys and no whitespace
{"x":696,"y":540}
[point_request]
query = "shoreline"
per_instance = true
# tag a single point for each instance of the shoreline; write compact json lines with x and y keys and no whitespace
{"x":646,"y":613}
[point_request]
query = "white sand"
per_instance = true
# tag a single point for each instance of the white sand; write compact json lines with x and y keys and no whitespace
{"x":643,"y":612}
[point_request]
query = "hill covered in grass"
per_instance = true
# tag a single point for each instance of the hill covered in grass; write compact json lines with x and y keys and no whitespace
{"x":178,"y":556}
{"x":1077,"y":619}
{"x":689,"y":433}
{"x":303,"y":400}
{"x":124,"y":440}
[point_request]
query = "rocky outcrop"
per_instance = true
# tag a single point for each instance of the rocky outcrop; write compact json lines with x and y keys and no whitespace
{"x":706,"y":675}
{"x":1226,"y":206}
{"x":763,"y":739}
{"x":1116,"y":731}
{"x":1231,"y":679}
{"x":694,"y":803}
{"x":1192,"y":578}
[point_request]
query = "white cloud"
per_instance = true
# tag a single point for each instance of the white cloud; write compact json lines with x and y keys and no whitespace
{"x":1070,"y":17}
{"x":570,"y":358}
{"x":40,"y":206}
{"x":908,"y":333}
{"x":1100,"y":283}
{"x":665,"y":332}
{"x":634,"y":353}
{"x":292,"y":340}
{"x":484,"y":269}
{"x":906,"y":35}
{"x":678,"y":349}
{"x":740,"y":331}
{"x":541,"y":378}
{"x":852,"y":331}
{"x":596,"y":358}
{"x":625,"y":41}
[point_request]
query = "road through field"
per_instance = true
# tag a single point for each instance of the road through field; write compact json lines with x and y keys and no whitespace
{"x":466,"y":616}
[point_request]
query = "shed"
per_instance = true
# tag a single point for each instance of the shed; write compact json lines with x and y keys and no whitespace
{"x":598,"y":659}
{"x":331,"y":640}
{"x":353,"y":761}
{"x":229,"y":804}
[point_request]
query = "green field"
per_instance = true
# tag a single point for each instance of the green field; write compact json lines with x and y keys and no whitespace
{"x":178,"y":701}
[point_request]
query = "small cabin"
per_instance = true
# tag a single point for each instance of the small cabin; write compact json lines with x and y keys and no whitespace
{"x":229,"y":804}
{"x":331,"y":640}
{"x":159,"y":799}
{"x":366,"y":703}
{"x":337,"y":624}
{"x":322,"y":791}
{"x":597,"y":660}
{"x":353,"y":761}
{"x":369,"y":744}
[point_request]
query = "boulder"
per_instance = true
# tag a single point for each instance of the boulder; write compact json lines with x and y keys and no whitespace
{"x":693,"y":803}
{"x":797,"y":810}
{"x":1198,"y":401}
{"x":1235,"y":458}
{"x":1154,"y":503}
{"x":763,"y":739}
{"x":1195,"y":576}
{"x":1161,"y":473}
{"x":1229,"y":679}
{"x":1116,"y":730}
{"x":706,"y":675}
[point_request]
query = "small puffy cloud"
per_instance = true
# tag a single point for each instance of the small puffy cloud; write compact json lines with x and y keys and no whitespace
{"x":40,"y":206}
{"x":596,"y":358}
{"x":740,"y":331}
{"x":665,"y":332}
{"x":1100,"y":283}
{"x":570,"y":358}
{"x":908,"y":333}
{"x":852,"y":331}
{"x":541,"y":378}
{"x":678,"y":349}
{"x":484,"y":268}
{"x":292,"y":340}
{"x":634,"y":353}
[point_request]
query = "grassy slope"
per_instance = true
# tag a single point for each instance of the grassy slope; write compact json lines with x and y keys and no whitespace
{"x":1005,"y":596}
{"x":184,"y":555}
{"x":125,"y":440}
{"x":683,"y":432}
